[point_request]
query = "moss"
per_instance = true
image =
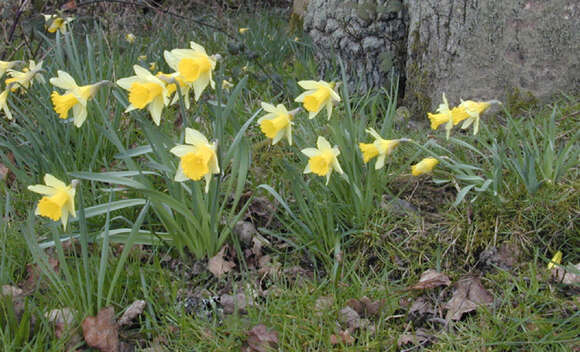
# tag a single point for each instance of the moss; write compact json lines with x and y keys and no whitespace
{"x":417,"y":79}
{"x":517,"y":101}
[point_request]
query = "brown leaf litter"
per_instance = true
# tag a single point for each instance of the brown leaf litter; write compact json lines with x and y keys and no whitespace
{"x":431,"y":279}
{"x":261,"y":339}
{"x":469,"y":294}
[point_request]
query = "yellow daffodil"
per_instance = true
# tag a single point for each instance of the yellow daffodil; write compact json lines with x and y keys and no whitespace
{"x":7,"y":65}
{"x":319,"y":95}
{"x":424,"y":166}
{"x":130,"y":38}
{"x":194,"y":66}
{"x":74,"y":98}
{"x":277,"y":123}
{"x":381,"y":148}
{"x":145,"y":91}
{"x":4,"y":104}
{"x":55,"y":23}
{"x":473,"y":109}
{"x":322,"y":161}
{"x":152,"y":66}
{"x":171,"y":80}
{"x":22,"y":80}
{"x":243,"y":30}
{"x":142,"y":57}
{"x":444,"y":116}
{"x":198,"y":158}
{"x":556,"y":260}
{"x":58,"y":201}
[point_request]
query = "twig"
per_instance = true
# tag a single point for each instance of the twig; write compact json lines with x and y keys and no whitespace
{"x":14,"y":25}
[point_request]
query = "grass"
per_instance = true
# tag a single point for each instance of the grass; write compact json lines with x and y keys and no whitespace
{"x":372,"y":236}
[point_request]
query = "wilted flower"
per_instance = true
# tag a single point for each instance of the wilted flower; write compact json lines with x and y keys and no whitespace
{"x":322,"y":160}
{"x":55,"y":23}
{"x":473,"y":109}
{"x":198,"y":158}
{"x":145,"y":91}
{"x":277,"y":123}
{"x":4,"y":104}
{"x":7,"y":65}
{"x":556,"y":260}
{"x":194,"y":66}
{"x":75,"y":97}
{"x":130,"y":38}
{"x":227,"y":84}
{"x":424,"y":166}
{"x":58,"y":201}
{"x":22,"y":80}
{"x":381,"y":148}
{"x":318,"y":96}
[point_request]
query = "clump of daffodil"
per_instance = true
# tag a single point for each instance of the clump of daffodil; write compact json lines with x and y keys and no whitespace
{"x":22,"y":80}
{"x":130,"y":38}
{"x":55,"y":23}
{"x":473,"y":109}
{"x":75,"y":97}
{"x":444,"y":116}
{"x":198,"y":158}
{"x":319,"y":95}
{"x":145,"y":91}
{"x":4,"y":104}
{"x":171,"y":81}
{"x":380,"y":147}
{"x":194,"y":66}
{"x":58,"y":201}
{"x":424,"y":166}
{"x":277,"y":123}
{"x":556,"y":260}
{"x":322,"y":160}
{"x":7,"y":65}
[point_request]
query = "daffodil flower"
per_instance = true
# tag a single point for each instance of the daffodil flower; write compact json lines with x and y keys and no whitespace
{"x":4,"y":104}
{"x":424,"y":166}
{"x":171,"y":81}
{"x":243,"y":30}
{"x":322,"y":160}
{"x":444,"y":115}
{"x":556,"y":260}
{"x":194,"y":66}
{"x":55,"y":23}
{"x":319,"y":95}
{"x":7,"y":65}
{"x":145,"y":91}
{"x":277,"y":123}
{"x":381,"y":148}
{"x":22,"y":80}
{"x":130,"y":38}
{"x":473,"y":109}
{"x":227,"y":84}
{"x":74,"y":98}
{"x":58,"y":201}
{"x":198,"y":158}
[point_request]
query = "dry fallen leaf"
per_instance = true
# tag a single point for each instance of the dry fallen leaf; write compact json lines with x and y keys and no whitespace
{"x":468,"y":295}
{"x":504,"y":257}
{"x":63,"y":319}
{"x":260,"y":339}
{"x":16,"y":295}
{"x":233,"y":303}
{"x":350,"y":317}
{"x":34,"y":274}
{"x":420,"y":337}
{"x":101,"y":332}
{"x":342,"y":337}
{"x":431,"y":279}
{"x":133,"y":311}
{"x":323,"y":304}
{"x":365,"y":307}
{"x":421,"y":307}
{"x":218,"y":266}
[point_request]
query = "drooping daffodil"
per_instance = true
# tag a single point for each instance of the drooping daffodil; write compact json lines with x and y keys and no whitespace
{"x":22,"y":80}
{"x":322,"y":160}
{"x":4,"y":104}
{"x":198,"y":158}
{"x":58,"y":201}
{"x":277,"y":123}
{"x":443,"y":115}
{"x":380,"y":147}
{"x":319,"y":95}
{"x":145,"y":91}
{"x":171,"y":81}
{"x":424,"y":166}
{"x":7,"y":65}
{"x":130,"y":38}
{"x":473,"y":109}
{"x":55,"y":23}
{"x":194,"y":66}
{"x":75,"y":97}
